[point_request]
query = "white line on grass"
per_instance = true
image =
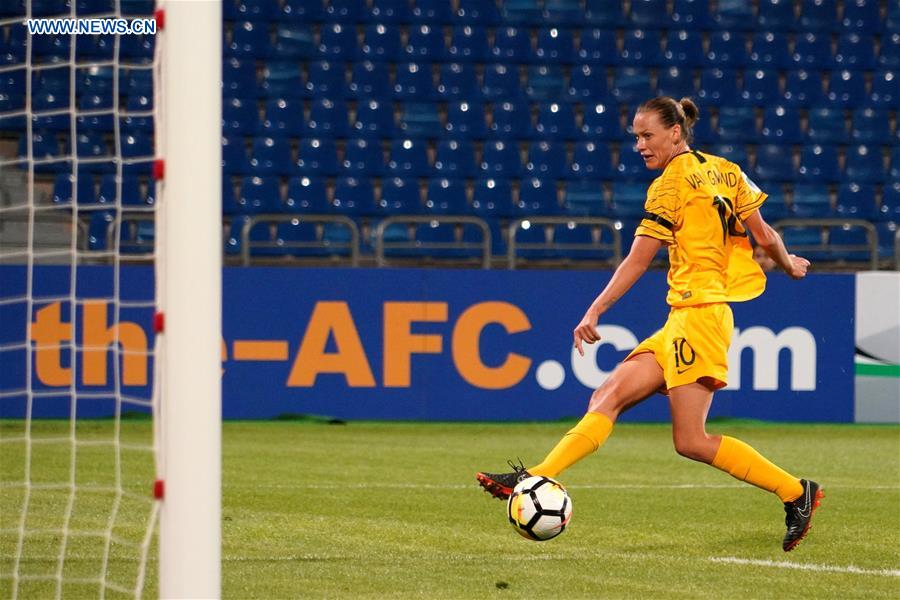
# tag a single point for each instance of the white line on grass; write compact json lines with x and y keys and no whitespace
{"x":805,"y":566}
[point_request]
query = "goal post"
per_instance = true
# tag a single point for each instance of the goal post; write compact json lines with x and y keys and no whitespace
{"x":189,"y":280}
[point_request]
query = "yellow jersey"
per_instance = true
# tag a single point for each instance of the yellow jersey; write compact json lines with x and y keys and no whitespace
{"x":696,"y":207}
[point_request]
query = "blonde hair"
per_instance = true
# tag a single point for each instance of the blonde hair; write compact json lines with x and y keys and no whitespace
{"x":674,"y":112}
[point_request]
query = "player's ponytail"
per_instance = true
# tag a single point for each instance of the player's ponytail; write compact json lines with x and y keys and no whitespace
{"x":691,"y":112}
{"x":674,"y":112}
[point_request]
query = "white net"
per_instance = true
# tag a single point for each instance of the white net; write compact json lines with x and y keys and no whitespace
{"x":77,"y":299}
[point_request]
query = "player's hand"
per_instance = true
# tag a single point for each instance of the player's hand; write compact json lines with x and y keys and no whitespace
{"x":586,"y":332}
{"x":799,"y":265}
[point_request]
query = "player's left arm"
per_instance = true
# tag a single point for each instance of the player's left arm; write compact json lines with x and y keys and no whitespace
{"x":766,"y":237}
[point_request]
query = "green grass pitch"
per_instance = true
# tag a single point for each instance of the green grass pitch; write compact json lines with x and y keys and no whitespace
{"x":375,"y":510}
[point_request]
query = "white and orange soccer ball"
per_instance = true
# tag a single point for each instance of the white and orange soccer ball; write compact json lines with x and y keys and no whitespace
{"x":539,"y":508}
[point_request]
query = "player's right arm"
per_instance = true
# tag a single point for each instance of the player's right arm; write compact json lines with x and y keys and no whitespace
{"x":628,"y":272}
{"x":766,"y":237}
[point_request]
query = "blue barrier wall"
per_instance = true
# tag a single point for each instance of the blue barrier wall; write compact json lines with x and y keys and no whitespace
{"x":427,"y":344}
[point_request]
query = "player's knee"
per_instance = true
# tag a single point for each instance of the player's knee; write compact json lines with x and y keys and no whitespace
{"x":608,"y":395}
{"x":694,"y":448}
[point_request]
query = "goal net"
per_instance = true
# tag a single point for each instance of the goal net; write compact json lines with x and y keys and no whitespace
{"x":86,"y":441}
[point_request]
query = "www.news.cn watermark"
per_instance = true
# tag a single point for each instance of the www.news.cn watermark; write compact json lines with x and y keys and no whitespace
{"x":91,"y":26}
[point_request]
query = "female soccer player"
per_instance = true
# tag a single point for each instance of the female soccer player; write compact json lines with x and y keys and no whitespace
{"x":699,"y":207}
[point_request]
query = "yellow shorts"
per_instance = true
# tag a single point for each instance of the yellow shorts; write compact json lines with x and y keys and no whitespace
{"x":692,"y":345}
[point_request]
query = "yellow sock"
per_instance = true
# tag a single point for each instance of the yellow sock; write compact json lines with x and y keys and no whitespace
{"x":743,"y":462}
{"x":581,"y":440}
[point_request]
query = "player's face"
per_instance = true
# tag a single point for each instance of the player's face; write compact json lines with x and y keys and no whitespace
{"x":655,"y":143}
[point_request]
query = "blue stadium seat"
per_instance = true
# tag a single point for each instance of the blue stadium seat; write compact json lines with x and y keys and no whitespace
{"x":248,"y":40}
{"x":649,"y":14}
{"x":446,"y":197}
{"x":347,"y":11}
{"x":604,"y":13}
{"x":556,"y":121}
{"x":283,"y":117}
{"x":889,"y":55}
{"x":437,"y":240}
{"x":259,"y":195}
{"x":736,"y":153}
{"x":585,"y":198}
{"x":806,"y":241}
{"x":409,"y":158}
{"x":769,"y":51}
{"x":545,"y":83}
{"x":864,"y":164}
{"x":326,"y":79}
{"x":892,"y":24}
{"x":776,"y":206}
{"x":468,"y":43}
{"x":62,"y":189}
{"x":512,"y":45}
{"x":598,"y":46}
{"x":492,"y":198}
{"x":466,"y":120}
{"x":870,"y":126}
{"x":501,"y":82}
{"x":51,"y":48}
{"x":887,"y":232}
{"x":421,"y":120}
{"x":857,"y":201}
{"x":841,"y":237}
{"x":691,"y":14}
{"x":726,"y":49}
{"x":337,"y":42}
{"x":773,"y":163}
{"x":374,"y":119}
{"x":642,"y":49}
{"x":718,"y":88}
{"x":425,"y":44}
{"x":354,"y":196}
{"x":676,"y":82}
{"x":855,"y":52}
{"x":12,"y":49}
{"x":87,"y":48}
{"x":894,"y":170}
{"x":810,"y":201}
{"x":587,"y":84}
{"x":363,"y":157}
{"x":736,"y":124}
{"x":819,"y":163}
{"x":257,"y":10}
{"x":885,"y":89}
{"x":628,"y":200}
{"x":555,"y":45}
{"x":511,"y":120}
{"x":601,"y":121}
{"x":818,"y":15}
{"x":294,"y":41}
{"x":631,"y":85}
{"x":500,"y":159}
{"x":458,"y":81}
{"x":521,"y":12}
{"x":234,"y":156}
{"x":813,"y":51}
{"x":93,"y":7}
{"x":846,"y":89}
{"x":684,"y":48}
{"x":546,"y":160}
{"x":381,"y":43}
{"x":781,"y":125}
{"x":294,"y":232}
{"x":400,"y":197}
{"x":328,"y":118}
{"x":563,"y":12}
{"x":591,"y":160}
{"x":139,"y":103}
{"x":306,"y":11}
{"x":317,"y":157}
{"x":391,"y":11}
{"x":370,"y":80}
{"x":281,"y":80}
{"x":529,"y":233}
{"x":131,"y":191}
{"x":735,"y":15}
{"x":890,"y":203}
{"x":538,"y":197}
{"x":631,"y":166}
{"x":776,"y":15}
{"x":93,"y":154}
{"x":439,"y":11}
{"x":414,"y":82}
{"x":270,"y":156}
{"x":137,"y":153}
{"x":861,"y":16}
{"x":760,"y":87}
{"x":239,"y":77}
{"x":703,"y":132}
{"x":455,"y":159}
{"x":49,"y":102}
{"x":827,"y":126}
{"x":307,"y":195}
{"x":99,"y":230}
{"x":803,"y":88}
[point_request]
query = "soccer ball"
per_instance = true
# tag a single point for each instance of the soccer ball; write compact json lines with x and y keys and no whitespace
{"x":539,"y":508}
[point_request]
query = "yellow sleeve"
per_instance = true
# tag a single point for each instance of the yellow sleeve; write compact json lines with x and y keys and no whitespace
{"x":748,"y":197}
{"x":661,"y":210}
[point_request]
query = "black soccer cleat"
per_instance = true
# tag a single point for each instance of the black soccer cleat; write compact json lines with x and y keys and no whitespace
{"x":798,"y":514}
{"x":500,"y":485}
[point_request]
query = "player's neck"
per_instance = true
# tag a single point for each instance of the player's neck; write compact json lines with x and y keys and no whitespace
{"x":678,"y":150}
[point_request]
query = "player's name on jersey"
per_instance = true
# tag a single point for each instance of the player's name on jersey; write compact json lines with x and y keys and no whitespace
{"x":714,"y":176}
